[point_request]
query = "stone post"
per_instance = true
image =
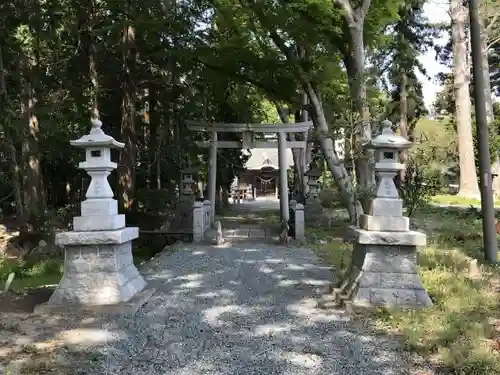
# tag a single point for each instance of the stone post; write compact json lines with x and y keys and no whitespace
{"x":99,"y":272}
{"x":198,"y":229}
{"x":384,"y":269}
{"x":300,"y":230}
{"x":207,"y":207}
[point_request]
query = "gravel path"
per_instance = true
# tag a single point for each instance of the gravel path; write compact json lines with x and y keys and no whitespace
{"x":241,"y":310}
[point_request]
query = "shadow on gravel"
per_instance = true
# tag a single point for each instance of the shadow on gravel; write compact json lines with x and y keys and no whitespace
{"x":248,"y":309}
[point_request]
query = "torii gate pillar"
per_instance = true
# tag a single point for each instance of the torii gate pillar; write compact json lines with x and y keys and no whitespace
{"x":212,"y":173}
{"x":283,"y":178}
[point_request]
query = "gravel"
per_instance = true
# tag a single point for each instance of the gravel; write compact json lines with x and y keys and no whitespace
{"x":241,"y":310}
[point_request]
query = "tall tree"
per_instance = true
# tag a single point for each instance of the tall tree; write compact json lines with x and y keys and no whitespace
{"x":461,"y":77}
{"x":127,"y":172}
{"x":412,"y":35}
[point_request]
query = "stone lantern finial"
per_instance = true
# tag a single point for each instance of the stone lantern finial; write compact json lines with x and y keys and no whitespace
{"x":96,"y":125}
{"x":387,"y":127}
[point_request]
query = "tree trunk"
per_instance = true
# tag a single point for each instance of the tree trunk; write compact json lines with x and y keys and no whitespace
{"x":305,"y":153}
{"x":153,"y":139}
{"x":339,"y":173}
{"x":126,"y":182}
{"x":403,"y":118}
{"x":461,"y":74}
{"x":11,"y":149}
{"x":355,"y":63}
{"x":94,"y":84}
{"x":364,"y":158}
{"x":33,"y":188}
{"x":495,"y":168}
{"x":297,"y":153}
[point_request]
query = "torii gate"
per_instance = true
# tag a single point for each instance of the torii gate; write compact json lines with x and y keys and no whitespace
{"x":249,"y":142}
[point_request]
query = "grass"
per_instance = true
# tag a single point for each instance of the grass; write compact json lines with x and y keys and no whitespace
{"x":46,"y":271}
{"x":457,"y":200}
{"x":460,"y":334}
{"x":30,"y":274}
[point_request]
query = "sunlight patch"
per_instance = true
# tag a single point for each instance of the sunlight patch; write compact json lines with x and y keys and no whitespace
{"x":295,"y":267}
{"x":265,"y":269}
{"x":87,"y":336}
{"x":191,"y":285}
{"x":272,"y":329}
{"x":316,"y":282}
{"x":213,"y":314}
{"x":304,"y":360}
{"x":285,"y":283}
{"x":191,"y":277}
{"x":220,"y":293}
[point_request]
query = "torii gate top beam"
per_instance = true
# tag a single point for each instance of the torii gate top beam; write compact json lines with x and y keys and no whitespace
{"x":296,"y":127}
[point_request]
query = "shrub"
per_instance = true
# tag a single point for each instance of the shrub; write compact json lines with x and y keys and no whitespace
{"x":329,"y":197}
{"x":416,"y":189}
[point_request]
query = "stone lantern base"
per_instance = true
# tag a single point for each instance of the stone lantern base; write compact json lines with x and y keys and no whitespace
{"x":384,"y":270}
{"x":99,"y":274}
{"x":313,"y":207}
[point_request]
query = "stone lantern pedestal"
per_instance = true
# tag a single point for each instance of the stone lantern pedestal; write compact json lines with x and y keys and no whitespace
{"x":99,"y":272}
{"x":384,"y":269}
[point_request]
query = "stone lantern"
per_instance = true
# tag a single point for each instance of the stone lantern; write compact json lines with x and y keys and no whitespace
{"x":188,"y":176}
{"x":384,"y":269}
{"x":313,"y":174}
{"x":387,"y":146}
{"x":99,"y":272}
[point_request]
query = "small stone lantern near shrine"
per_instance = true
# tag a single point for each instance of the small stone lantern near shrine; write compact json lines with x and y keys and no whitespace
{"x":99,"y":272}
{"x":188,"y":182}
{"x":313,"y":174}
{"x":384,"y":268}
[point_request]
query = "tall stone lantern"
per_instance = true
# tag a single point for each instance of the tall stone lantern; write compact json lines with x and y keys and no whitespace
{"x":384,"y":269}
{"x":313,"y":174}
{"x":99,"y":272}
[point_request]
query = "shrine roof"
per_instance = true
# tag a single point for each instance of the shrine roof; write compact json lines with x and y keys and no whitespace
{"x":263,"y":157}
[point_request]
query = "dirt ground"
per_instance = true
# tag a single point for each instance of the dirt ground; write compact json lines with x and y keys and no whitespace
{"x":42,"y":344}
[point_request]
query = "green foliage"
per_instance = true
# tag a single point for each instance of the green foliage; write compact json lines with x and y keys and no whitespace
{"x":30,"y":269}
{"x":460,"y":332}
{"x":329,"y":197}
{"x":493,"y":139}
{"x":417,"y":188}
{"x":411,"y":35}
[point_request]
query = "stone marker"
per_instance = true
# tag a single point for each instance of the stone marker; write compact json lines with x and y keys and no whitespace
{"x":384,"y":269}
{"x":219,"y":240}
{"x":99,"y":272}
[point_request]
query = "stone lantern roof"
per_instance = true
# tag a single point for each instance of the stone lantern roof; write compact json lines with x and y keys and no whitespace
{"x":388,"y":139}
{"x":97,"y":138}
{"x":314,"y":171}
{"x":190,"y":170}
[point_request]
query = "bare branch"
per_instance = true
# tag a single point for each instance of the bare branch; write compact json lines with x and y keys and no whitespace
{"x":491,"y":24}
{"x":492,"y":43}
